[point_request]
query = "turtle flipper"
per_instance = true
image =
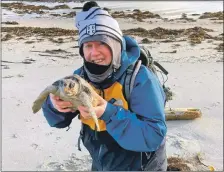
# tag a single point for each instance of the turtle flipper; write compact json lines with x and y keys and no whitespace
{"x":37,"y":104}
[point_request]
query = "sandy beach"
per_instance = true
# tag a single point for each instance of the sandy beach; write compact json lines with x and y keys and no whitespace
{"x":33,"y":58}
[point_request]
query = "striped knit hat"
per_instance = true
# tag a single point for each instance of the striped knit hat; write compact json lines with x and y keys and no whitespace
{"x":97,"y":21}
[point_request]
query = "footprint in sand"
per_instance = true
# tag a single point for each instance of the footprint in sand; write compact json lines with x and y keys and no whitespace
{"x":72,"y":164}
{"x":34,"y":146}
{"x":14,"y":136}
{"x":48,"y":134}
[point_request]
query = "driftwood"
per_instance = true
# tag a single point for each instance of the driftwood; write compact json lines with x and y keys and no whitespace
{"x":182,"y":113}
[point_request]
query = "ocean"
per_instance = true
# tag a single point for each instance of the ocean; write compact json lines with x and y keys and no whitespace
{"x":166,"y":9}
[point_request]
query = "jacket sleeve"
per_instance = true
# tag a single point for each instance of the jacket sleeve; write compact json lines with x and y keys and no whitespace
{"x":144,"y":129}
{"x":55,"y":118}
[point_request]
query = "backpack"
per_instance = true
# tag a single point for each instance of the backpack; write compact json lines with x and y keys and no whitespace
{"x":145,"y":59}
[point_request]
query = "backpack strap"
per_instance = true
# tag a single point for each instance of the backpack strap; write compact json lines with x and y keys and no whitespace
{"x":129,"y":80}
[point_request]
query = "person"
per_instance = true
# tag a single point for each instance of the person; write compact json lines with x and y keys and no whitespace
{"x":132,"y":135}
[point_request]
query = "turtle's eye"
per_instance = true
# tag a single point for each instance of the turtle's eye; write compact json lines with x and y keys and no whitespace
{"x":71,"y":85}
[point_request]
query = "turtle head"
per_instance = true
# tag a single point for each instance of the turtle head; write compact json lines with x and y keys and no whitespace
{"x":71,"y":86}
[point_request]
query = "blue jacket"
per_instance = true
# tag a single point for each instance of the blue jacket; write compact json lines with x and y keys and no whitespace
{"x":127,"y":133}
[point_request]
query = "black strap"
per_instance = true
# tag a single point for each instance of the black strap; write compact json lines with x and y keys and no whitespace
{"x":127,"y":82}
{"x":131,"y":73}
{"x":80,"y":137}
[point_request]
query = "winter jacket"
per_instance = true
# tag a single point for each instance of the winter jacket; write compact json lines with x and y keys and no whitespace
{"x":129,"y":140}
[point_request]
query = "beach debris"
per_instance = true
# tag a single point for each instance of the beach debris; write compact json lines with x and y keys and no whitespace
{"x":220,"y":47}
{"x":64,"y":6}
{"x":174,"y":51}
{"x":197,"y":34}
{"x":77,"y":8}
{"x":178,"y":164}
{"x":7,"y":37}
{"x":26,"y":61}
{"x":74,"y":89}
{"x":136,"y":14}
{"x":70,"y":15}
{"x":29,"y":42}
{"x":195,"y":14}
{"x":220,"y":37}
{"x":168,"y":40}
{"x":14,"y":136}
{"x":8,"y":76}
{"x":106,"y":9}
{"x":175,"y":45}
{"x":10,"y":23}
{"x":34,"y":146}
{"x":75,"y":46}
{"x":20,"y":38}
{"x":142,"y":32}
{"x":5,"y":66}
{"x":182,"y":113}
{"x":212,"y":15}
{"x":146,"y":41}
{"x":37,"y":31}
{"x":56,"y":51}
{"x":58,"y":40}
{"x":55,"y":15}
{"x":47,"y":55}
{"x":20,"y":75}
{"x":183,"y":15}
{"x":183,"y":18}
{"x":22,"y":8}
{"x":194,"y":35}
{"x":169,"y":94}
{"x":200,"y":156}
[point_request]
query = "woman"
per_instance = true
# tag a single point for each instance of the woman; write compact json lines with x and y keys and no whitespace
{"x":132,"y":136}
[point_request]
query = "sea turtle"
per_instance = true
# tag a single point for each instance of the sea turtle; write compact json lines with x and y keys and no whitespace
{"x":74,"y":89}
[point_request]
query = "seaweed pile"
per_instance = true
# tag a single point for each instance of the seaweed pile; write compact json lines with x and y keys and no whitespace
{"x":21,"y":8}
{"x":50,"y":33}
{"x":195,"y":35}
{"x":212,"y":16}
{"x":136,"y":14}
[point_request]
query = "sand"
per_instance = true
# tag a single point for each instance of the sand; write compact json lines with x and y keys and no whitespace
{"x":29,"y":143}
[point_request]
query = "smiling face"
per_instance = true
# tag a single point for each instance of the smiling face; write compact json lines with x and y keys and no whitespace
{"x":97,"y":52}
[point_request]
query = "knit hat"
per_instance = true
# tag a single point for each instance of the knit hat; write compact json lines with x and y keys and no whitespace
{"x":97,"y":21}
{"x":96,"y":24}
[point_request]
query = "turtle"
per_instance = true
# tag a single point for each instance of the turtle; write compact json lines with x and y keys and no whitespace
{"x":71,"y":88}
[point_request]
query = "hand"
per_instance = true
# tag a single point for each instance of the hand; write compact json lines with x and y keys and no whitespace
{"x":60,"y":105}
{"x":99,"y":109}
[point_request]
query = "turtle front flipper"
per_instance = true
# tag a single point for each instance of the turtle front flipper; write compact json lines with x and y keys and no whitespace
{"x":37,"y":104}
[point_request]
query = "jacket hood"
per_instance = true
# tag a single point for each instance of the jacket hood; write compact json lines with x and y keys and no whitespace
{"x":129,"y":54}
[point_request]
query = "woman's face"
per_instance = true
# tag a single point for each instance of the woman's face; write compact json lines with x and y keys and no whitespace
{"x":97,"y":52}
